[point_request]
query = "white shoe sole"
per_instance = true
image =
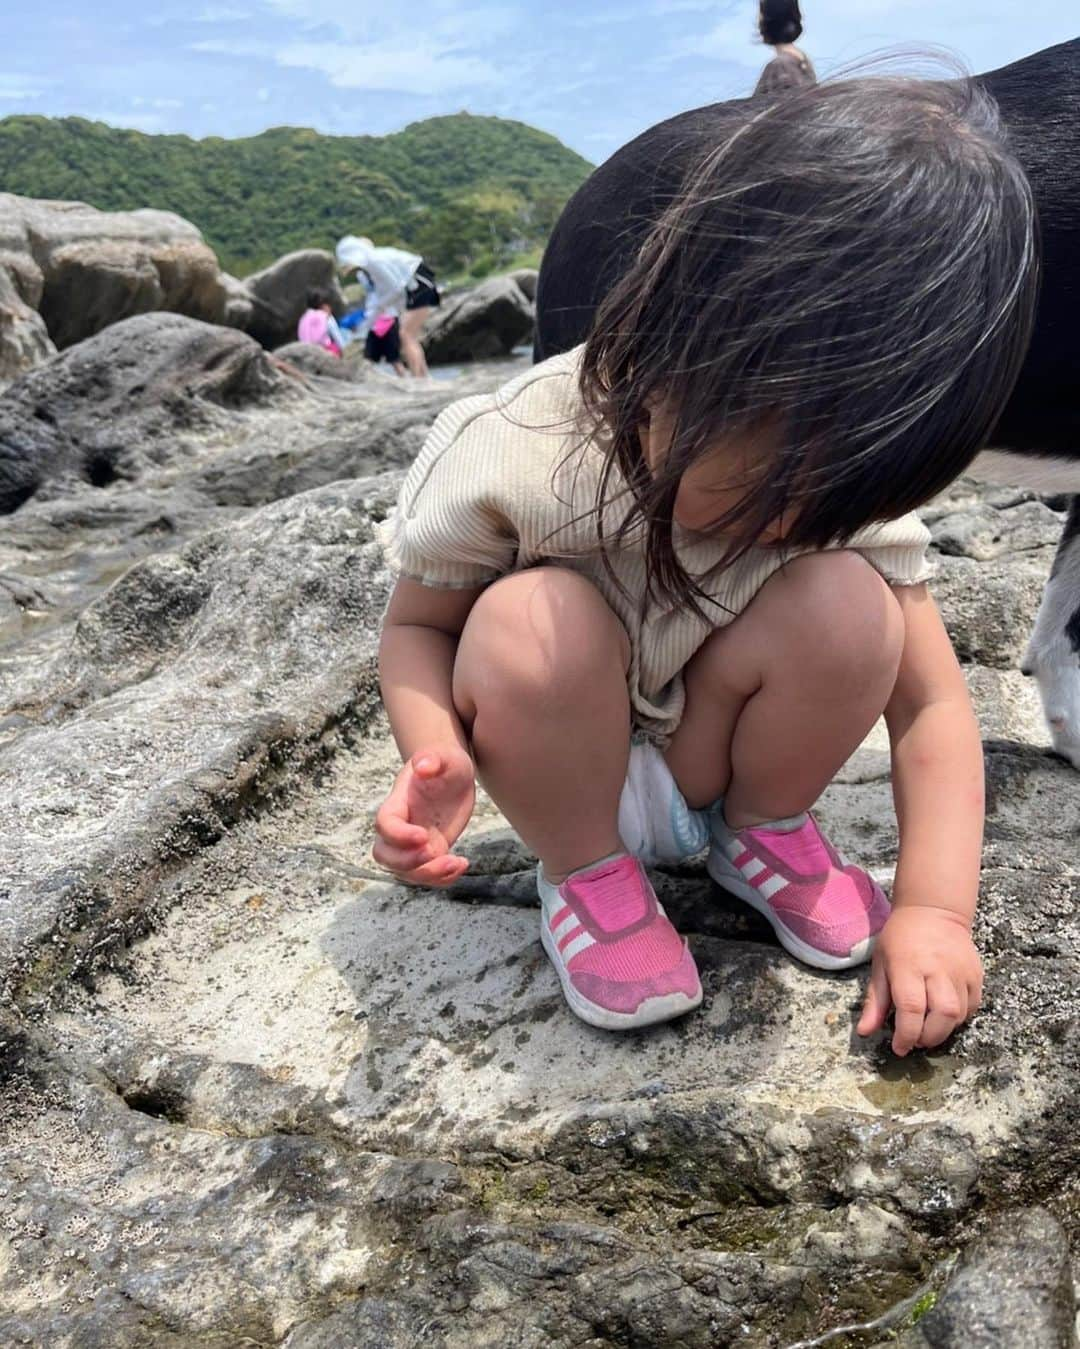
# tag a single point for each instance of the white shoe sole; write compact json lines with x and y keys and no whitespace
{"x":651,"y":1012}
{"x":726,"y":874}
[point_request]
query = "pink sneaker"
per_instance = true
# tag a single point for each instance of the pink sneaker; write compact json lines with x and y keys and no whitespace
{"x":826,"y":912}
{"x":620,"y":961}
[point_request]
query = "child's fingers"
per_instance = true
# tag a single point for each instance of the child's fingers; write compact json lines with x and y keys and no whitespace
{"x":392,"y":825}
{"x":401,"y":861}
{"x":876,"y":1003}
{"x":439,"y":872}
{"x":946,"y":1008}
{"x":909,"y":999}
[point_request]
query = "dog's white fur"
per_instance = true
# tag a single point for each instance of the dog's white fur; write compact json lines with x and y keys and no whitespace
{"x":1050,"y":658}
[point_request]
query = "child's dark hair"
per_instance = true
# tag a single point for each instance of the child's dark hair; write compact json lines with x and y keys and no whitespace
{"x":317,"y":298}
{"x":854,"y":268}
{"x":779,"y":21}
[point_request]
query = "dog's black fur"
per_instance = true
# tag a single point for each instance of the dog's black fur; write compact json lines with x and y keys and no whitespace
{"x":605,"y":222}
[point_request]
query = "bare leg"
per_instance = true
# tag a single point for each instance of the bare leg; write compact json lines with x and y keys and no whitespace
{"x":778,"y":700}
{"x":540,"y":683}
{"x":412,"y":324}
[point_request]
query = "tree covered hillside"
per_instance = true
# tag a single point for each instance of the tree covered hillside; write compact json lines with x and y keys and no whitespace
{"x":470,"y":193}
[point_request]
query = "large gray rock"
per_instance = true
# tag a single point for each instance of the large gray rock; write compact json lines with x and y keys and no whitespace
{"x":526,"y":278}
{"x":223,"y":642}
{"x":162,"y":400}
{"x":89,"y":268}
{"x":314,"y":360}
{"x":255,"y":1093}
{"x":239,"y":306}
{"x":279,"y":293}
{"x":488,"y":321}
{"x":24,"y":339}
{"x":1014,"y":1286}
{"x":107,"y":409}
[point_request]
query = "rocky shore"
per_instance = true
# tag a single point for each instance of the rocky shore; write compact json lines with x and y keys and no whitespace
{"x":68,"y":271}
{"x":255,"y":1094}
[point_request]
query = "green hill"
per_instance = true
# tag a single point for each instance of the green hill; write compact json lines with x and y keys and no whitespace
{"x":470,"y":193}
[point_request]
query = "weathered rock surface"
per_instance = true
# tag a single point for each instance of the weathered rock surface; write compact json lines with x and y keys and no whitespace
{"x":83,"y":269}
{"x":24,"y":339}
{"x":279,"y":293}
{"x":525,"y":278}
{"x":253,"y":1093}
{"x":68,"y":270}
{"x":314,"y":360}
{"x":239,"y":306}
{"x":488,"y":321}
{"x":163,"y":400}
{"x":1013,"y":1286}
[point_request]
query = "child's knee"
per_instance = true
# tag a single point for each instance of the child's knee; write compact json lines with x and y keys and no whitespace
{"x":843,"y":617}
{"x":538,"y":635}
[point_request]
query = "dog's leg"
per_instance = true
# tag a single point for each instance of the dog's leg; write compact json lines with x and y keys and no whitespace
{"x":1053,"y":654}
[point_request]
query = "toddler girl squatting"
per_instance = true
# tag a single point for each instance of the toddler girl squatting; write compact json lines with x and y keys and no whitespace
{"x":656,"y":590}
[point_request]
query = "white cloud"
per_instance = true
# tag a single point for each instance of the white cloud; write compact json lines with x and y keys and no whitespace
{"x":663,"y":7}
{"x":408,"y":68}
{"x":438,"y":22}
{"x":222,"y":14}
{"x":223,"y":46}
{"x":19,"y":88}
{"x":131,"y":121}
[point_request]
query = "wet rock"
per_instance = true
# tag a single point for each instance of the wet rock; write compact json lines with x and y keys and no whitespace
{"x":279,"y":294}
{"x":488,"y":321}
{"x":1013,"y":1286}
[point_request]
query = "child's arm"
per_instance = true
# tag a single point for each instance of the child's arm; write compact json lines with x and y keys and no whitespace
{"x":432,"y":797}
{"x":925,"y":963}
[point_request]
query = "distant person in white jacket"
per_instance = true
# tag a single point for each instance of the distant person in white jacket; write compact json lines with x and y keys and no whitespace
{"x":399,"y":281}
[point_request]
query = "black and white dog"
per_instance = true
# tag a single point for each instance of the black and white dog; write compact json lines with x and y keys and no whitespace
{"x":1037,"y":442}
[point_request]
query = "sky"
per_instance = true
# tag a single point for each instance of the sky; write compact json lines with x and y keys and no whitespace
{"x":592,"y":72}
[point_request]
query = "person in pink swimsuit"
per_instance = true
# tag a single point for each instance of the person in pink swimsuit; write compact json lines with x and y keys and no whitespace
{"x":318,"y":327}
{"x":656,"y":590}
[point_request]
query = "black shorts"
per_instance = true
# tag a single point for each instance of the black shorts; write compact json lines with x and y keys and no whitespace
{"x":386,"y":348}
{"x":425,"y":294}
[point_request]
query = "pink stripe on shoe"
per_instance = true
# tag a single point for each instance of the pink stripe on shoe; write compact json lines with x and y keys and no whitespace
{"x":570,"y":936}
{"x":561,"y":916}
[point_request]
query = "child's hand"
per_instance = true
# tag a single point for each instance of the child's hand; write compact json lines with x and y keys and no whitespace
{"x":926,"y":966}
{"x":419,"y":822}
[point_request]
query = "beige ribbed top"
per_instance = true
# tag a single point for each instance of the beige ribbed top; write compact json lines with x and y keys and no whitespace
{"x":507,"y":480}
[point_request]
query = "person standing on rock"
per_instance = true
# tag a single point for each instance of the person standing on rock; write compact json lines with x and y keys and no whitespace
{"x":657,"y":590}
{"x":780,"y":26}
{"x":398,"y":281}
{"x":383,"y":342}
